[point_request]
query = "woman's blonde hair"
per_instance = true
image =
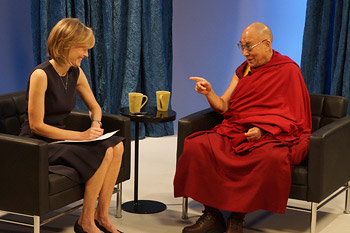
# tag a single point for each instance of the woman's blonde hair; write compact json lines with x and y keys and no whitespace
{"x":68,"y":33}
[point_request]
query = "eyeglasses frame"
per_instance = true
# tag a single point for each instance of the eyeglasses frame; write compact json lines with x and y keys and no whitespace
{"x":248,"y":47}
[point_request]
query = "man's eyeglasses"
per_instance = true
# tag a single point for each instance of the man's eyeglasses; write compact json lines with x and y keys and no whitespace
{"x":249,"y":47}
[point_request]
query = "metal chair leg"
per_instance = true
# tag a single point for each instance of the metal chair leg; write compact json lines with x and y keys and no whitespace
{"x":347,"y":199}
{"x":185,"y":208}
{"x":119,"y":200}
{"x":36,"y":224}
{"x":313,"y":217}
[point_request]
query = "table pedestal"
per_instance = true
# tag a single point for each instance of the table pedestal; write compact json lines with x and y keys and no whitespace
{"x":140,"y":206}
{"x":144,"y":206}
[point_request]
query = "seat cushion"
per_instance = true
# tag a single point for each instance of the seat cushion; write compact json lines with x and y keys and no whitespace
{"x":63,"y":191}
{"x":299,"y":175}
{"x":59,"y":183}
{"x":299,"y":183}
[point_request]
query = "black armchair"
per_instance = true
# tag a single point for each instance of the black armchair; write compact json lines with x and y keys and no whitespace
{"x":323,"y":173}
{"x":27,"y":188}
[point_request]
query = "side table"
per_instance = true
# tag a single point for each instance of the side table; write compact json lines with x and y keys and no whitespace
{"x":150,"y":115}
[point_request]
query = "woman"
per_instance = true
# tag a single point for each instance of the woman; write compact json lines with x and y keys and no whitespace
{"x":51,"y":95}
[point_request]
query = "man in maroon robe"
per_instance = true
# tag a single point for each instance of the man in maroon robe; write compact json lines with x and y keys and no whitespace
{"x":244,"y":164}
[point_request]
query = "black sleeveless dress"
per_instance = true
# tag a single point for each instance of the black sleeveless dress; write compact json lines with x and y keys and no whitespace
{"x":77,"y":161}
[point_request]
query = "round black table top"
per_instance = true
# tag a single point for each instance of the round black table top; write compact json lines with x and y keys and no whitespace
{"x":149,"y":114}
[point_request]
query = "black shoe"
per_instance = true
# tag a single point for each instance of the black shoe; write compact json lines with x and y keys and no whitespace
{"x":102,"y":228}
{"x":78,"y":228}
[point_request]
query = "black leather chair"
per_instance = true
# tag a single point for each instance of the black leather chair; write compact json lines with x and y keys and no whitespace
{"x":323,"y":174}
{"x":27,"y":188}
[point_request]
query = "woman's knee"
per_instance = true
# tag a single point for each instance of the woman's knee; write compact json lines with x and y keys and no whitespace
{"x":108,"y":155}
{"x":118,"y":151}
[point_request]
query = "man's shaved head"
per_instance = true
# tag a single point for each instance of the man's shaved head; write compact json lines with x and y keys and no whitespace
{"x":260,"y":29}
{"x":256,"y":41}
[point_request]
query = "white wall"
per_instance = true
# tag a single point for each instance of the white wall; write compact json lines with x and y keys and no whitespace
{"x":205,"y":34}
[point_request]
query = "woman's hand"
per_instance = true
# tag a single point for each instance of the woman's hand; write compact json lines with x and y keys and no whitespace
{"x":254,"y":134}
{"x":92,"y":133}
{"x":202,"y":85}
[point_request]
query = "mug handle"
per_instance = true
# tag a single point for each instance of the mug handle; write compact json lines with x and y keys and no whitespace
{"x":161,"y":101}
{"x":144,"y":96}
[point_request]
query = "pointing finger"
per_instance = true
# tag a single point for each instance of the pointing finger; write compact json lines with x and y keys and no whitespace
{"x":198,"y":79}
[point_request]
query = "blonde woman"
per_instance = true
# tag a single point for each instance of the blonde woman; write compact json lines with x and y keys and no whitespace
{"x":51,"y":95}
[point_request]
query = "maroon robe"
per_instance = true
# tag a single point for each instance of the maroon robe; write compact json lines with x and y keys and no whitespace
{"x":221,"y":169}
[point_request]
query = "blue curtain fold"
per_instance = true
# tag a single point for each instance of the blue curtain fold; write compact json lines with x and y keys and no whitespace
{"x":156,"y":39}
{"x":133,"y":50}
{"x":325,"y":61}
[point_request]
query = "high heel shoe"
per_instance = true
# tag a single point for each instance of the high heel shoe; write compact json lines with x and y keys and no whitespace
{"x":78,"y":228}
{"x":102,"y":228}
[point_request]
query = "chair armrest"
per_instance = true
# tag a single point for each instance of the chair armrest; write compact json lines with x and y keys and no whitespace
{"x":113,"y":122}
{"x":329,"y":159}
{"x":198,"y":121}
{"x":23,"y":174}
{"x":80,"y":120}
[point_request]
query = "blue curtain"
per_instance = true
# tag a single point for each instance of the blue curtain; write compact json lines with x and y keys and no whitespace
{"x":133,"y":50}
{"x":325,"y":61}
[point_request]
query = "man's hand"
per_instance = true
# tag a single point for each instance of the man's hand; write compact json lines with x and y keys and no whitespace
{"x":254,"y":134}
{"x":202,"y":85}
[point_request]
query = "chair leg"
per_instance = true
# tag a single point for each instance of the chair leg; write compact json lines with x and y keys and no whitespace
{"x":36,"y":224}
{"x":347,"y":199}
{"x":313,"y":217}
{"x":185,"y":208}
{"x":119,"y":200}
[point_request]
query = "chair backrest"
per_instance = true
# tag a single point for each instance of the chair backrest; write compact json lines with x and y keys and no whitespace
{"x":326,"y":109}
{"x":12,"y":111}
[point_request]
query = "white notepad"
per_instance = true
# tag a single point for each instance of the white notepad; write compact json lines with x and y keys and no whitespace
{"x":103,"y":137}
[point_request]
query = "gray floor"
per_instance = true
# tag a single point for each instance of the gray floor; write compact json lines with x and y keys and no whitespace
{"x":157,"y":167}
